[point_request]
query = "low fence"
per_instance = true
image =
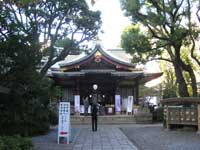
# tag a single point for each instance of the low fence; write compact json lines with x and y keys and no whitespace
{"x":182,"y":111}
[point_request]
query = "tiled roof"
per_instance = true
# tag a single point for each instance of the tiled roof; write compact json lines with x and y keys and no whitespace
{"x":108,"y":53}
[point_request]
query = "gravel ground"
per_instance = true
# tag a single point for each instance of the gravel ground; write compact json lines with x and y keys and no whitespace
{"x":155,"y":137}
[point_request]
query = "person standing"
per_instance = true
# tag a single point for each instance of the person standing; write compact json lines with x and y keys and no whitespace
{"x":94,"y":117}
{"x":94,"y":108}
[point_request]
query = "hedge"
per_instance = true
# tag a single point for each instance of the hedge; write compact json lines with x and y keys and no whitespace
{"x":15,"y":143}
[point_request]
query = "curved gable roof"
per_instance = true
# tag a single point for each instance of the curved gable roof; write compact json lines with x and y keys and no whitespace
{"x":105,"y":55}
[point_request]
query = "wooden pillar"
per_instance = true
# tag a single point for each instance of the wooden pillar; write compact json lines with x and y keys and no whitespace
{"x":67,"y":95}
{"x":77,"y":90}
{"x":136,"y":93}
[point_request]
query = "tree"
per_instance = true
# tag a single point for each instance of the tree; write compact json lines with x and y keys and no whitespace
{"x":167,"y":28}
{"x":48,"y":21}
{"x":27,"y":102}
{"x":27,"y":29}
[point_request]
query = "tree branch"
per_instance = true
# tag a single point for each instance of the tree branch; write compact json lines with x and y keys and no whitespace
{"x":191,"y":36}
{"x":155,"y":35}
{"x":164,"y":59}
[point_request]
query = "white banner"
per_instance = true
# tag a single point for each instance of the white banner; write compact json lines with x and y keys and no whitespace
{"x":117,"y":103}
{"x":124,"y":104}
{"x":77,"y":103}
{"x":64,"y":121}
{"x":82,"y":109}
{"x":89,"y":109}
{"x":130,"y":104}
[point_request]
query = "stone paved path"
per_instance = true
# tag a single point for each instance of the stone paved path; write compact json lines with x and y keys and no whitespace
{"x":49,"y":141}
{"x":155,"y":137}
{"x":106,"y":138}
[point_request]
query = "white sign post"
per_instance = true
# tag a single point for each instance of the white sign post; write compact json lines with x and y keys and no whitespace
{"x":64,"y":121}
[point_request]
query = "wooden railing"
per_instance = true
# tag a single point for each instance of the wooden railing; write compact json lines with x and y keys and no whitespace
{"x":182,"y":111}
{"x":182,"y":115}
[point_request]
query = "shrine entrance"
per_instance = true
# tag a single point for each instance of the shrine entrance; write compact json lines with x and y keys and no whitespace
{"x":105,"y":91}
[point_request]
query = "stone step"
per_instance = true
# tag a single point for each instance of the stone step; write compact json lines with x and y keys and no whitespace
{"x":113,"y":119}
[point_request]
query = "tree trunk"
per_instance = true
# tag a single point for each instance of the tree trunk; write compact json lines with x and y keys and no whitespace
{"x":194,"y":83}
{"x":182,"y":86}
{"x":189,"y":69}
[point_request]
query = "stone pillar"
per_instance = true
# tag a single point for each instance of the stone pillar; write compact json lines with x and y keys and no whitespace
{"x":167,"y":118}
{"x":198,"y":117}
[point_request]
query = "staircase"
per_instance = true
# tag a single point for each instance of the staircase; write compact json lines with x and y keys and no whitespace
{"x":142,"y":118}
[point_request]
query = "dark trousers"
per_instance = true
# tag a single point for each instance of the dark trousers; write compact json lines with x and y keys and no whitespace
{"x":94,"y":123}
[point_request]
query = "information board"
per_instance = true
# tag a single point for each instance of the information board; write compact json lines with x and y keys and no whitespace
{"x":64,"y":121}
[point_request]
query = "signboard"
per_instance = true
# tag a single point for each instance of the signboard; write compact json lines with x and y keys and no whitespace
{"x":64,"y":121}
{"x":117,"y":103}
{"x":77,"y":103}
{"x":130,"y":104}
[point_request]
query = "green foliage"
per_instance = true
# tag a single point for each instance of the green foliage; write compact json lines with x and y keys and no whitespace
{"x":56,"y":92}
{"x":53,"y":117}
{"x":169,"y":83}
{"x":15,"y":143}
{"x":25,"y":111}
{"x":137,"y":43}
{"x":51,"y":21}
{"x":167,"y":27}
{"x":169,"y":91}
{"x":158,"y":114}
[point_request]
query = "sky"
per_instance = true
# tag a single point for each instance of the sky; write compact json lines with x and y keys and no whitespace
{"x":113,"y":22}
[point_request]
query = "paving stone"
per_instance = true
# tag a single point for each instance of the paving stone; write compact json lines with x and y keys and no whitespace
{"x":154,"y":137}
{"x":107,"y":137}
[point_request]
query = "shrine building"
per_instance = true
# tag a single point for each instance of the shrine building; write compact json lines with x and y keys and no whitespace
{"x":116,"y":77}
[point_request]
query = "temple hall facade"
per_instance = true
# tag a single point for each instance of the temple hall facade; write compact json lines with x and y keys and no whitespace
{"x":116,"y":78}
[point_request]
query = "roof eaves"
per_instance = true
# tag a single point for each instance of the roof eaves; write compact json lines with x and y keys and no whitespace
{"x":97,"y":48}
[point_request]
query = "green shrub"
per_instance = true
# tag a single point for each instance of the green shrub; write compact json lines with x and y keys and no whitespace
{"x":53,"y":117}
{"x":15,"y":143}
{"x":158,"y":114}
{"x":26,"y":112}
